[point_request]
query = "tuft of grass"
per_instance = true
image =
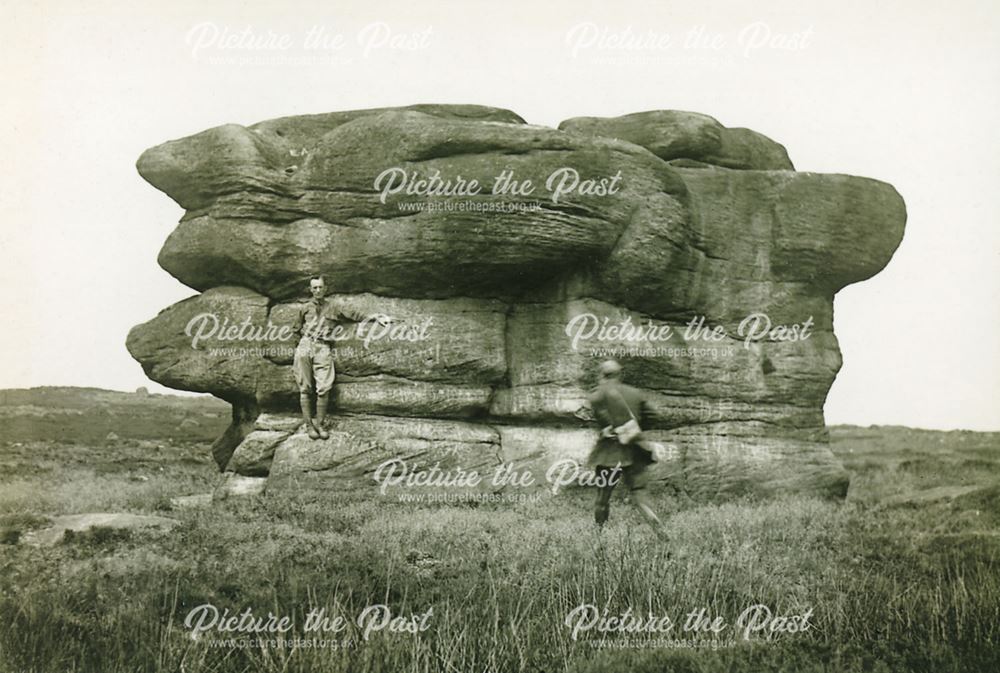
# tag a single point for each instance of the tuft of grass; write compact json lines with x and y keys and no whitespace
{"x":98,"y":537}
{"x":13,"y":525}
{"x":892,"y":587}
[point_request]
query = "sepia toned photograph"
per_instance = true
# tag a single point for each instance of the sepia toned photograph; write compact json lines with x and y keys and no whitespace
{"x":465,"y":337}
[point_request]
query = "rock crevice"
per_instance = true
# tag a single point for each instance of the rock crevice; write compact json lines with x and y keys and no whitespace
{"x":484,"y":289}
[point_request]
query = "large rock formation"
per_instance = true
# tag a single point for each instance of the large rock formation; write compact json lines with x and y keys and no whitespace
{"x":501,"y":301}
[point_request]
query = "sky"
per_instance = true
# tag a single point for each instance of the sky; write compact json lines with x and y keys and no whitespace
{"x":905,"y":92}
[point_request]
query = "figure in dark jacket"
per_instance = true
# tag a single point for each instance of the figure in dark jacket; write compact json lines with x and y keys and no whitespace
{"x":615,"y":404}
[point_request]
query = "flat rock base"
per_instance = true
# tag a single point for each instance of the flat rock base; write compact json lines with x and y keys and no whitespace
{"x":444,"y":455}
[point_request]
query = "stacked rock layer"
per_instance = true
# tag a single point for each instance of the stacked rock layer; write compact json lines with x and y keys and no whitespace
{"x":498,"y":300}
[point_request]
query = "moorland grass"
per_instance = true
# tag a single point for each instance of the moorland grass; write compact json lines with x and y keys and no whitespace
{"x":902,"y":587}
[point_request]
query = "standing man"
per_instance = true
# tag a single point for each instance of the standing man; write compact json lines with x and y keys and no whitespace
{"x":313,"y":362}
{"x":621,"y":451}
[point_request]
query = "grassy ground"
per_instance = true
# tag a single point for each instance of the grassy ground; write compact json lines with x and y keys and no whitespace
{"x":89,"y":415}
{"x":905,"y":576}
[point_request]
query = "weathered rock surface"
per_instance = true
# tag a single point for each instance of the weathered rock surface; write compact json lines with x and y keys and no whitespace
{"x":239,"y":485}
{"x":674,"y":135}
{"x":498,"y":300}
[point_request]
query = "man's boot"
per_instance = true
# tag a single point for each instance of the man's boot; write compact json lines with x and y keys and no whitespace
{"x":321,"y":402}
{"x":304,"y":402}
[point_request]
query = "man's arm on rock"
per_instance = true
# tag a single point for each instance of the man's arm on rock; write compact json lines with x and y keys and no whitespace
{"x":339,"y":310}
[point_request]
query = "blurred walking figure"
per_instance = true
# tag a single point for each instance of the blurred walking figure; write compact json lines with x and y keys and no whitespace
{"x":621,"y":411}
{"x":313,"y":362}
